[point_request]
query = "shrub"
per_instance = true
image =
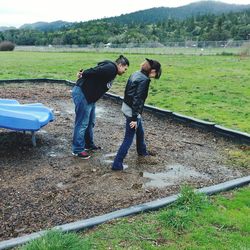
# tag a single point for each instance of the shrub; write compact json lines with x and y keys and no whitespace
{"x":7,"y":46}
{"x":245,"y":49}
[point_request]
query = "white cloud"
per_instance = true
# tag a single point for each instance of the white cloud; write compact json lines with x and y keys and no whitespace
{"x":18,"y":12}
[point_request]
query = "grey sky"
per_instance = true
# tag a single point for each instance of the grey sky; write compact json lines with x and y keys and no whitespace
{"x":18,"y":12}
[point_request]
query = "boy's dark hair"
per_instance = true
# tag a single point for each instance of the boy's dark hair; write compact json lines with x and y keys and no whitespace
{"x":122,"y":60}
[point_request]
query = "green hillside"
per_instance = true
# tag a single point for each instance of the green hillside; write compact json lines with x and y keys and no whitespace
{"x":202,"y":21}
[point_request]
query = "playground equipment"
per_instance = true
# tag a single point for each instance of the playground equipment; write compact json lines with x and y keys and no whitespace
{"x":24,"y":117}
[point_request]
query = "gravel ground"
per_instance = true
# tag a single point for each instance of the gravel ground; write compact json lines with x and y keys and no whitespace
{"x":45,"y":186}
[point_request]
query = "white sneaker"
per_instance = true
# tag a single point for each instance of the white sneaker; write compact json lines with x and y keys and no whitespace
{"x":125,"y":167}
{"x":120,"y":169}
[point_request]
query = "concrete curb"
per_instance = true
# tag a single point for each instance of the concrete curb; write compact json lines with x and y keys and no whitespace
{"x":149,"y":206}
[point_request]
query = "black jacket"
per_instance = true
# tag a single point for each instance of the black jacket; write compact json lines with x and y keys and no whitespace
{"x":136,"y":92}
{"x":98,"y":80}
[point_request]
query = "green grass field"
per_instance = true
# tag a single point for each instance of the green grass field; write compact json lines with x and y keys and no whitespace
{"x":212,"y":88}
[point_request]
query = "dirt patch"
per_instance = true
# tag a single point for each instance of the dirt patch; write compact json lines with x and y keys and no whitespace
{"x":45,"y":186}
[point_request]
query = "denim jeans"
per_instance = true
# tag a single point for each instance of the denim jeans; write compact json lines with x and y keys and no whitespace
{"x":127,"y":141}
{"x":84,"y":121}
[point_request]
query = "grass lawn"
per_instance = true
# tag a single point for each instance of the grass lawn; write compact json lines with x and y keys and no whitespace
{"x":212,"y":88}
{"x":193,"y":222}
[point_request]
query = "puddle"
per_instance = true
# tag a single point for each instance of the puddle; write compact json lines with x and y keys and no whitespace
{"x":174,"y":174}
{"x":52,"y":154}
{"x":56,"y":153}
{"x":109,"y":155}
{"x":65,"y":109}
{"x":99,"y":112}
{"x":60,"y":185}
{"x":109,"y":159}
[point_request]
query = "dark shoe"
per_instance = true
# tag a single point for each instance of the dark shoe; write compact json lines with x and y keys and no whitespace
{"x":93,"y":148}
{"x":83,"y":155}
{"x":147,"y":159}
{"x":149,"y":153}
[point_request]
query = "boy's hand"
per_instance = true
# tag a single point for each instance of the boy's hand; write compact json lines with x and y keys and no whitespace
{"x":79,"y":74}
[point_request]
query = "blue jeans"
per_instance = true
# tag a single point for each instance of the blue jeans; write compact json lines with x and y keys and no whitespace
{"x":127,"y":141}
{"x":84,"y":121}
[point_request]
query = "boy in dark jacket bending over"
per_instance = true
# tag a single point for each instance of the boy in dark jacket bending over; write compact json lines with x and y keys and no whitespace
{"x":136,"y":92}
{"x":89,"y":88}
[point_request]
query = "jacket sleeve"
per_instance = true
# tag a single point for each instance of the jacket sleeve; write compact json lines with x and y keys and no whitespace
{"x":139,"y":97}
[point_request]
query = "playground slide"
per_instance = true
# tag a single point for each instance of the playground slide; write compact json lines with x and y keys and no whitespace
{"x":24,"y":117}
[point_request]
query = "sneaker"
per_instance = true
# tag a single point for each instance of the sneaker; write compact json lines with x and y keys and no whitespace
{"x":93,"y":148}
{"x":120,"y":169}
{"x":83,"y":155}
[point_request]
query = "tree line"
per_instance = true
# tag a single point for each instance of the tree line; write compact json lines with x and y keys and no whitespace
{"x":208,"y":27}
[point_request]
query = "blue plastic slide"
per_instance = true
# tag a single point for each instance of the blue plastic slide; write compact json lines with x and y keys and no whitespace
{"x":24,"y":117}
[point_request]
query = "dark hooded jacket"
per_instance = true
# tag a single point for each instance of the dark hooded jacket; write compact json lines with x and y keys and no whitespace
{"x":95,"y":82}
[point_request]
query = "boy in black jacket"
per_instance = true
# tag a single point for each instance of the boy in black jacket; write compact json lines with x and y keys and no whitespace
{"x":136,"y":92}
{"x":90,"y":87}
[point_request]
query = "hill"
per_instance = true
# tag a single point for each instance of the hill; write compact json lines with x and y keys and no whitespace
{"x":193,"y":22}
{"x":148,"y":16}
{"x":46,"y":26}
{"x":3,"y":28}
{"x":155,"y":15}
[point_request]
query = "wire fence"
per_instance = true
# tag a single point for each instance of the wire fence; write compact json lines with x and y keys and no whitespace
{"x":187,"y":47}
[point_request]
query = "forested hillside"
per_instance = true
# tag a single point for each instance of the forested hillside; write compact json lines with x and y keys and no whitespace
{"x":45,"y":26}
{"x":200,"y":27}
{"x":155,"y":15}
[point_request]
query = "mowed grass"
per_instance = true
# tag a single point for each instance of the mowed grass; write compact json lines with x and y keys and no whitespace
{"x":193,"y":222}
{"x":212,"y":88}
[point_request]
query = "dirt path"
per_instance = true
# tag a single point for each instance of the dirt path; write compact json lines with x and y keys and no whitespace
{"x":45,"y":186}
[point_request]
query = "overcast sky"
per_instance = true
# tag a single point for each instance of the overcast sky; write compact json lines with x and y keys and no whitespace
{"x":19,"y":12}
